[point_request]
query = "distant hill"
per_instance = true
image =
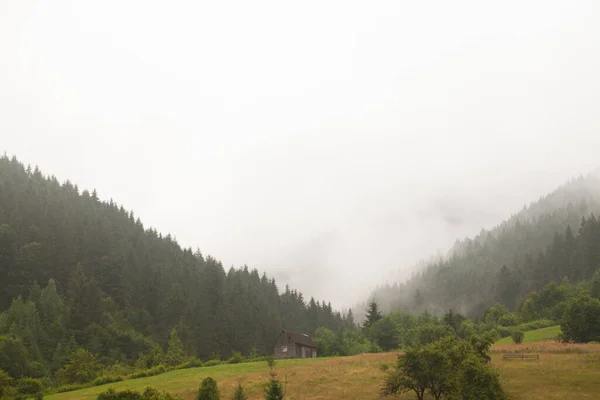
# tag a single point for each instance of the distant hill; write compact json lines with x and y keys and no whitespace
{"x":467,"y":278}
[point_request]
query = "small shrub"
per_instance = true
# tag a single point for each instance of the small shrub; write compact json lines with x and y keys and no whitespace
{"x":5,"y":382}
{"x":211,"y":363}
{"x":148,"y":394}
{"x":103,"y":380}
{"x":503,"y":331}
{"x":69,"y":388}
{"x":492,"y":333}
{"x":537,"y":324}
{"x":191,"y":363}
{"x":161,"y":369}
{"x":384,"y":367}
{"x":208,"y":390}
{"x":239,"y":393}
{"x":194,"y":363}
{"x":253,"y":353}
{"x":29,"y":385}
{"x":517,"y":337}
{"x":39,"y":396}
{"x":270,"y":361}
{"x":274,"y":389}
{"x":236,"y":358}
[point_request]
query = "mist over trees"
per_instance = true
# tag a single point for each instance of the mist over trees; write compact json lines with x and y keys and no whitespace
{"x":85,"y":283}
{"x":554,"y":237}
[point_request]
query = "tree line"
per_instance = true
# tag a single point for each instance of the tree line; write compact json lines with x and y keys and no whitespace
{"x":554,"y":237}
{"x":83,"y":274}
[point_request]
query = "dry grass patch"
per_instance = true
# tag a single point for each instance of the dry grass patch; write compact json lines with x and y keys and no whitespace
{"x":564,"y":371}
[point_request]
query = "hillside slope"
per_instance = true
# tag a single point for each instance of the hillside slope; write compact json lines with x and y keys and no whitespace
{"x":559,"y":370}
{"x":468,"y":279}
{"x":80,"y":272}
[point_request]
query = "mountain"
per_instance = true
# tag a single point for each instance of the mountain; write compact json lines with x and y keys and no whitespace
{"x":469,"y":277}
{"x":80,"y":272}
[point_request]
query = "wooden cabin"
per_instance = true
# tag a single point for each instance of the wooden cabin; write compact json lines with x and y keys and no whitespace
{"x":294,"y":345}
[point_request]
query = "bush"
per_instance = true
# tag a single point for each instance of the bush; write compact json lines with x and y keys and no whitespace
{"x":29,"y":385}
{"x":384,"y":367}
{"x":270,"y":361}
{"x":517,"y":337}
{"x":239,"y":393}
{"x":581,"y":320}
{"x":39,"y":396}
{"x":476,"y":381}
{"x":208,"y":390}
{"x":69,"y":388}
{"x":537,"y":324}
{"x":191,"y":363}
{"x":509,"y":319}
{"x":148,"y":394}
{"x":274,"y":389}
{"x":212,"y":363}
{"x":236,"y":358}
{"x":492,"y":333}
{"x":503,"y":331}
{"x":161,"y":369}
{"x":5,"y":382}
{"x":102,"y":380}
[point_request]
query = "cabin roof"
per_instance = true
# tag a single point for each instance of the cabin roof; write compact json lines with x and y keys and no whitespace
{"x":300,"y":338}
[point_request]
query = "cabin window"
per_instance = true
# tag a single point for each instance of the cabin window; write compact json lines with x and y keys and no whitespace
{"x":284,"y":349}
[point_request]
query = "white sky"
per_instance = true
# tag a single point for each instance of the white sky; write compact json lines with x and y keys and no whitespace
{"x":328,"y":143}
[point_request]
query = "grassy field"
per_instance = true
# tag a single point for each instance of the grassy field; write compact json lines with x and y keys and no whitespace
{"x":535,"y":336}
{"x":564,"y":371}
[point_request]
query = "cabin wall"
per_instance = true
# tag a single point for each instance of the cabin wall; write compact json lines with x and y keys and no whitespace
{"x":285,"y":347}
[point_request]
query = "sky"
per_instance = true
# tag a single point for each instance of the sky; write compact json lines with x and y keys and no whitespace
{"x":332,"y":144}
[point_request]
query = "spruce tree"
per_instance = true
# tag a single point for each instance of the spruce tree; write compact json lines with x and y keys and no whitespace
{"x":208,"y":390}
{"x":373,"y":314}
{"x":239,"y":393}
{"x":175,"y":354}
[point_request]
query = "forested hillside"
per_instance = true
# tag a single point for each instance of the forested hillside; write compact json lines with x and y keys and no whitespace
{"x":79,"y":272}
{"x":538,"y":245}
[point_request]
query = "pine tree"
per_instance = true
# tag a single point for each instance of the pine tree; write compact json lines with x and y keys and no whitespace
{"x":373,"y":314}
{"x":239,"y":393}
{"x":208,"y":390}
{"x":175,"y":354}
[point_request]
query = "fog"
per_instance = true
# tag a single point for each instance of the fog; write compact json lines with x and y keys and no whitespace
{"x":330,"y":144}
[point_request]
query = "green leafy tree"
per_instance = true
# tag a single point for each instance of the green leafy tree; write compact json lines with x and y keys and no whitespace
{"x":151,"y":359}
{"x":595,"y":285}
{"x":428,"y":333}
{"x":326,"y":342}
{"x":424,"y":370}
{"x":13,"y":357}
{"x":476,"y":381}
{"x":81,"y":367}
{"x":449,"y":368}
{"x":581,"y":320}
{"x":175,"y":354}
{"x":5,"y":382}
{"x":208,"y":390}
{"x":385,"y":333}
